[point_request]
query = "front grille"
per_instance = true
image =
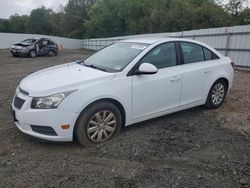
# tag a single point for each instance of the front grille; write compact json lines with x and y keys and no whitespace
{"x":18,"y":102}
{"x":23,"y":92}
{"x":46,"y":130}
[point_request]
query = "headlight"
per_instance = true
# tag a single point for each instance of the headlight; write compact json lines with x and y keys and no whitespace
{"x":49,"y":102}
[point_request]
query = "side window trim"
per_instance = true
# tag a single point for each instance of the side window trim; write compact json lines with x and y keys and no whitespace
{"x":214,"y":56}
{"x":132,"y":71}
{"x":180,"y":53}
{"x":203,"y":47}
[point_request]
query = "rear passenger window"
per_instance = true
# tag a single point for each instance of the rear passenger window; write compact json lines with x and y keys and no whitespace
{"x":192,"y":52}
{"x":209,"y":55}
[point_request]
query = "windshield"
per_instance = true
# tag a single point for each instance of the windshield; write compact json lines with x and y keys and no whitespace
{"x":116,"y":57}
{"x":29,"y":41}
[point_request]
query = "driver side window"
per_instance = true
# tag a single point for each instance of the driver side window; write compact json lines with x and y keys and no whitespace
{"x":162,"y":56}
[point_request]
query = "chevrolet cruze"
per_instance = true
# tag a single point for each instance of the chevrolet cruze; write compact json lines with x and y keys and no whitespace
{"x":125,"y":83}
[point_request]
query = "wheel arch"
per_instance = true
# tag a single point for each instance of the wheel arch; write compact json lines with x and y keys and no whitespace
{"x":52,"y":50}
{"x":219,"y":78}
{"x":32,"y":49}
{"x":111,"y":100}
{"x":225,"y":80}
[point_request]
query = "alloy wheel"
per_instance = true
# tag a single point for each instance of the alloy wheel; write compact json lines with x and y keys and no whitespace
{"x":52,"y":53}
{"x":218,"y":93}
{"x":32,"y":54}
{"x":101,"y":126}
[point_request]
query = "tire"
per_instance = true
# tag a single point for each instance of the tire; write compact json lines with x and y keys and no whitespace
{"x":91,"y":127}
{"x":217,"y":94}
{"x":14,"y":55}
{"x":52,"y":53}
{"x":32,"y":54}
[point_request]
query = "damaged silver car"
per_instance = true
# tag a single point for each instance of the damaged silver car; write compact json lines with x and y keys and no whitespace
{"x":34,"y":47}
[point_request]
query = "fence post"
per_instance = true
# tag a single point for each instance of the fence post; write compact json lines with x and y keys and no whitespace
{"x":227,"y":44}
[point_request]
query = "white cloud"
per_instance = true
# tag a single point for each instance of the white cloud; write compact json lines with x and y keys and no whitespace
{"x":22,"y":7}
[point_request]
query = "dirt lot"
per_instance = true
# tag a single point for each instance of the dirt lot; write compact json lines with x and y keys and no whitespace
{"x":192,"y":148}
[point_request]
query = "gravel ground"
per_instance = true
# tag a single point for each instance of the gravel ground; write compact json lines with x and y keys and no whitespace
{"x":193,"y":148}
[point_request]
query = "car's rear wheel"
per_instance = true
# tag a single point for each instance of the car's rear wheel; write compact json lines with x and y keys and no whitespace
{"x":98,"y":123}
{"x":217,"y":94}
{"x":32,"y":53}
{"x":52,"y":53}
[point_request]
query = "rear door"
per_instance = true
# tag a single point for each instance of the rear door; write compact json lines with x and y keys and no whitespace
{"x":198,"y":65}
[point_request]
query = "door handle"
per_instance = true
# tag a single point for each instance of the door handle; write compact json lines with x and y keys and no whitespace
{"x":175,"y":78}
{"x":208,"y":70}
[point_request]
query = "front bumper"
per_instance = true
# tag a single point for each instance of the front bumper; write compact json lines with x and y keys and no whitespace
{"x":25,"y":118}
{"x":18,"y":52}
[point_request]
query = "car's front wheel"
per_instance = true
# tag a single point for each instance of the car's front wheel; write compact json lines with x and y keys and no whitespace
{"x":32,"y":53}
{"x":98,"y":123}
{"x":217,"y":94}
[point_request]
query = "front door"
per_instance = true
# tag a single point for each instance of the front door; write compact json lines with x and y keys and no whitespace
{"x":153,"y":94}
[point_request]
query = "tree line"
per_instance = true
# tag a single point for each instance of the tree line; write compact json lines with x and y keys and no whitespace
{"x":107,"y":18}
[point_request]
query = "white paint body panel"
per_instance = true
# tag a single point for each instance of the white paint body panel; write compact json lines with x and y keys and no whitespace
{"x":142,"y":96}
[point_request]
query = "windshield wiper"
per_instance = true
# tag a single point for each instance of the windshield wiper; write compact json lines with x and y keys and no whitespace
{"x":94,"y":66}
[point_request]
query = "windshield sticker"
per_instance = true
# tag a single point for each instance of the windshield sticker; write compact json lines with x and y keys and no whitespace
{"x":139,"y":47}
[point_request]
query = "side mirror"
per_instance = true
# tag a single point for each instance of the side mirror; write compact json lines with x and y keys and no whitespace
{"x":147,"y":68}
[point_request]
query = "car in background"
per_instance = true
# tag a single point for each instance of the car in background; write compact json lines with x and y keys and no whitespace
{"x":123,"y":84}
{"x":34,"y":47}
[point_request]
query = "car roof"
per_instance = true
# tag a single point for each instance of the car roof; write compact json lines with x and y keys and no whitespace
{"x":145,"y":40}
{"x":159,"y":40}
{"x":151,"y":40}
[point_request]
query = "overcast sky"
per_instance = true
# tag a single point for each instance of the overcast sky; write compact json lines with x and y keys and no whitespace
{"x":21,"y":7}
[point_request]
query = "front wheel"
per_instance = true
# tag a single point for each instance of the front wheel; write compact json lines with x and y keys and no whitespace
{"x":217,"y":94}
{"x":32,"y":53}
{"x":98,"y":123}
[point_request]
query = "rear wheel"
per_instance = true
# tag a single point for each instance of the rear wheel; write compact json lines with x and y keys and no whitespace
{"x":32,"y":53}
{"x":52,"y":53}
{"x":217,"y":94}
{"x":98,"y":123}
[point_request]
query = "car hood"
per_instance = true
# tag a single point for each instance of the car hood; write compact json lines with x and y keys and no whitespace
{"x":22,"y":44}
{"x":62,"y":78}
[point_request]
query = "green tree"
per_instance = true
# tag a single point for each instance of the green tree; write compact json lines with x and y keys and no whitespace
{"x":105,"y":19}
{"x":238,"y":12}
{"x":244,"y":17}
{"x":56,"y":19}
{"x":5,"y":25}
{"x":18,"y":23}
{"x":234,"y":7}
{"x":74,"y":14}
{"x":121,"y":17}
{"x":40,"y":21}
{"x":181,"y":16}
{"x":209,"y":15}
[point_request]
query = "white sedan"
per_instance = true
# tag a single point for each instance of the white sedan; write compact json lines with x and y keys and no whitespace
{"x":128,"y":82}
